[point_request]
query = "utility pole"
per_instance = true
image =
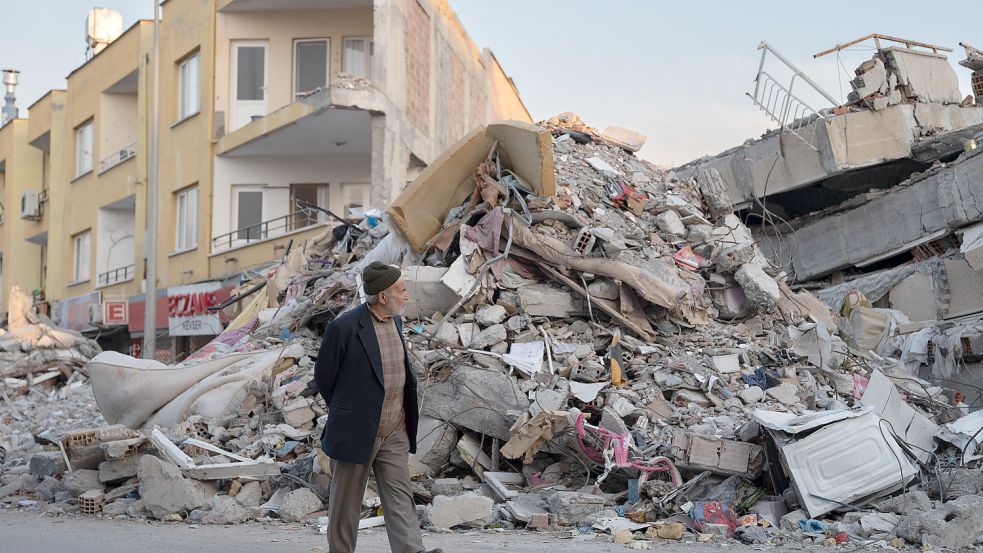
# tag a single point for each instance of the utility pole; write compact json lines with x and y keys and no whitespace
{"x":150,"y":303}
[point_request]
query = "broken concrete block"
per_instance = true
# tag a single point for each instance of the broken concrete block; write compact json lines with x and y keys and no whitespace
{"x":790,"y":522}
{"x":48,"y":463}
{"x":117,"y":470}
{"x":467,"y":332}
{"x":760,"y":289}
{"x":913,"y":500}
{"x":573,"y":507}
{"x":490,"y":315}
{"x":671,"y":531}
{"x":251,"y":494}
{"x":872,"y":79}
{"x":622,"y":537}
{"x":469,"y":509}
{"x":21,"y":483}
{"x":525,"y":506}
{"x":117,"y":508}
{"x":82,"y":481}
{"x":544,"y":300}
{"x":49,"y":487}
{"x":298,"y":412}
{"x":226,"y":510}
{"x":446,"y":486}
{"x":699,"y":234}
{"x":715,"y":193}
{"x":786,"y":394}
{"x":164,"y":490}
{"x":298,"y":504}
{"x":490,"y":336}
{"x":437,"y":440}
{"x":604,"y":289}
{"x":751,"y":395}
{"x":669,"y":222}
{"x":428,"y":294}
{"x":447,"y":333}
{"x":732,"y":257}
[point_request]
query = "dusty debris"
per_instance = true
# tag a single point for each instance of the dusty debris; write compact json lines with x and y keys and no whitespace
{"x":598,"y":343}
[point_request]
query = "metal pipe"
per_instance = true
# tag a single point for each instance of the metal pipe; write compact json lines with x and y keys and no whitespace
{"x":798,"y":72}
{"x":150,"y":302}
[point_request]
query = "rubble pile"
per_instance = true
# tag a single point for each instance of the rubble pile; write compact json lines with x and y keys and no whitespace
{"x":600,"y":347}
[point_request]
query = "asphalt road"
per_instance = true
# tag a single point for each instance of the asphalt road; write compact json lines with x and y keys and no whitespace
{"x":22,"y":532}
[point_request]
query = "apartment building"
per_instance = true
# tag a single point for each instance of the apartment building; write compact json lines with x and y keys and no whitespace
{"x":266,"y":107}
{"x":338,"y":103}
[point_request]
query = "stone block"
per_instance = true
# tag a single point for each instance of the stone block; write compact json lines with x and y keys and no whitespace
{"x":732,"y":257}
{"x":251,"y":494}
{"x":751,"y":395}
{"x":447,"y":486}
{"x":164,"y":490}
{"x":490,"y":315}
{"x":544,"y":300}
{"x":118,"y":470}
{"x":759,"y":288}
{"x":428,"y":294}
{"x":469,"y":509}
{"x":48,"y":463}
{"x":572,"y":507}
{"x":490,"y":336}
{"x":669,"y":222}
{"x":82,"y":481}
{"x":298,"y":504}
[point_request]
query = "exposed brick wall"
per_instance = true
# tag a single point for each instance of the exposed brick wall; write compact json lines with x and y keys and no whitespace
{"x":477,"y":101}
{"x":418,"y":66}
{"x":458,"y":93}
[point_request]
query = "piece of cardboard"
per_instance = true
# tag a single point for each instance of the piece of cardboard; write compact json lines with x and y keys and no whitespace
{"x":526,"y":149}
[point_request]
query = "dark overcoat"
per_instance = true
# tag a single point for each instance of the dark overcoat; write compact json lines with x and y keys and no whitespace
{"x":348,"y":373}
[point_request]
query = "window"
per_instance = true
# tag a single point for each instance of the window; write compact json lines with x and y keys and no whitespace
{"x":310,"y":66}
{"x":83,"y":148}
{"x":358,"y":57}
{"x":189,"y":93}
{"x":81,"y":255}
{"x":249,"y":214}
{"x":355,"y":195}
{"x":187,"y":219}
{"x":314,"y":194}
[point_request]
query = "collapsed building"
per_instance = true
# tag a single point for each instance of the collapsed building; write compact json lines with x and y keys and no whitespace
{"x":880,"y":195}
{"x":602,"y":347}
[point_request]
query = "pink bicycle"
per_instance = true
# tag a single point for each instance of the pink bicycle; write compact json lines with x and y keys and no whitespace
{"x":613,"y":450}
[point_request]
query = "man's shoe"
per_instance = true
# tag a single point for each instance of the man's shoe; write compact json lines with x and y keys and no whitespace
{"x":438,"y":550}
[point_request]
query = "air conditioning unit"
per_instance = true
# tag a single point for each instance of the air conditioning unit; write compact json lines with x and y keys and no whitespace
{"x":30,"y":204}
{"x":95,"y":313}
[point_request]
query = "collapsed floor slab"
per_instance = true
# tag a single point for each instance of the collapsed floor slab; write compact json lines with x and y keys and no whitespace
{"x":927,"y":207}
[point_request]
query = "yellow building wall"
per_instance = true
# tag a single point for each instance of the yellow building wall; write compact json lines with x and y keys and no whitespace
{"x":46,"y":133}
{"x":79,"y":202}
{"x":22,"y":172}
{"x":279,"y":29}
{"x":185,"y":145}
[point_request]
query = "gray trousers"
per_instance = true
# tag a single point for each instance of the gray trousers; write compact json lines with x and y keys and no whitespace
{"x":390,"y":464}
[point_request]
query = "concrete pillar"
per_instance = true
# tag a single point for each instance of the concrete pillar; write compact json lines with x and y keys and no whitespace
{"x":390,"y":159}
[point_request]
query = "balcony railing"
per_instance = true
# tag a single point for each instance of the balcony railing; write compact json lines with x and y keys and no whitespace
{"x":117,"y":157}
{"x":121,"y":274}
{"x":264,"y":230}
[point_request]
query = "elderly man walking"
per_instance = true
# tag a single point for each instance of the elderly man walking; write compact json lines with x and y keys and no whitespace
{"x":363,"y":373}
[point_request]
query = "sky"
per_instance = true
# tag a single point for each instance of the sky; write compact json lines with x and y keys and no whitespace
{"x":676,"y":72}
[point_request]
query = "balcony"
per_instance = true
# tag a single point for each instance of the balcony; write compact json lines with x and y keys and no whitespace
{"x":117,"y":157}
{"x":237,"y":6}
{"x":115,"y":276}
{"x":265,"y":230}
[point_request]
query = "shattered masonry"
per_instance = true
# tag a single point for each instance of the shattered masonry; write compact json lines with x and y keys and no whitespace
{"x":600,"y":344}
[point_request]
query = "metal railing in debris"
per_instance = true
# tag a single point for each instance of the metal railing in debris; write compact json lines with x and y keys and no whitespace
{"x":121,"y":274}
{"x":780,"y":102}
{"x":264,"y":230}
{"x":117,"y":157}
